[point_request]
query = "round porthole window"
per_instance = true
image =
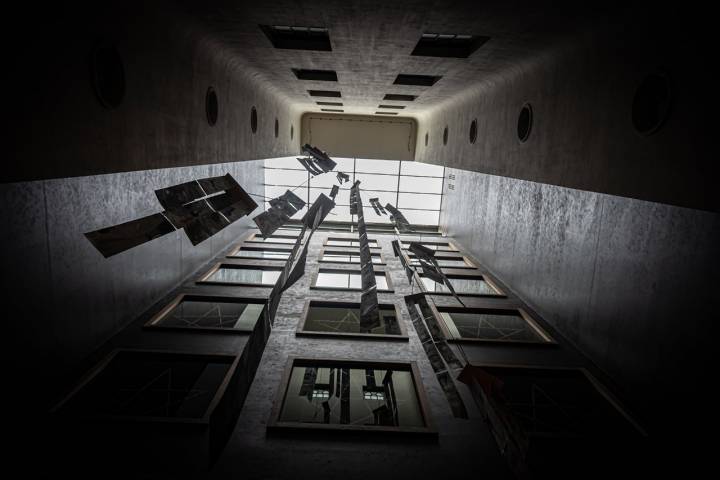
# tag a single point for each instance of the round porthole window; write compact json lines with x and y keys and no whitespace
{"x":651,"y":105}
{"x":211,"y":106}
{"x":426,"y":138}
{"x":473,"y":131}
{"x":108,"y":75}
{"x":292,"y":132}
{"x":525,"y":121}
{"x":253,"y":119}
{"x":277,"y":128}
{"x":445,"y":135}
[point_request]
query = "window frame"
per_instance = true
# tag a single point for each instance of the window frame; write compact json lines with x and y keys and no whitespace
{"x":257,"y":238}
{"x":547,"y":339}
{"x":375,"y":253}
{"x":233,"y":255}
{"x":316,"y":274}
{"x":325,"y":243}
{"x":452,"y":247}
{"x":479,"y":276}
{"x":469,"y":264}
{"x":274,"y":424}
{"x":203,"y":280}
{"x":301,"y":332}
{"x":232,"y":375}
{"x":154,"y":322}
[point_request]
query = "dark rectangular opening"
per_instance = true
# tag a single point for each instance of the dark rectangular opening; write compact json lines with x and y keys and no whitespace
{"x":297,"y":37}
{"x":420,"y":80}
{"x":332,"y":110}
{"x":385,"y":113}
{"x":331,"y":104}
{"x":399,"y":97}
{"x":392,"y":106}
{"x":448,"y":45}
{"x":324,"y":93}
{"x":321,"y":75}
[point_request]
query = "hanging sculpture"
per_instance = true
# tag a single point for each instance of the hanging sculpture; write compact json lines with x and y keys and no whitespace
{"x":398,"y":219}
{"x":342,"y":177}
{"x":369,"y":311}
{"x":431,"y":268}
{"x":280,"y":211}
{"x":197,"y":207}
{"x":379,"y":210}
{"x":317,"y":162}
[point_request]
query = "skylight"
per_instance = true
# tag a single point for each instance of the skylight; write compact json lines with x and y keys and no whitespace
{"x":414,"y":188}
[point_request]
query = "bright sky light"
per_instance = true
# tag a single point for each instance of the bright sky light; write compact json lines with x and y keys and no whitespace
{"x":414,"y":188}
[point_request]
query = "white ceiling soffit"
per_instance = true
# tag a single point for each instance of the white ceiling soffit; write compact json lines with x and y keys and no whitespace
{"x":361,"y":136}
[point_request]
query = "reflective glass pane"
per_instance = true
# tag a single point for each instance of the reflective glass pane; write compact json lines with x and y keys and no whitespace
{"x":421,"y":184}
{"x":377,"y":182}
{"x":201,"y":314}
{"x":419,"y":168}
{"x":347,"y":320}
{"x":421,"y":217}
{"x":261,"y":254}
{"x":285,"y":177}
{"x":473,"y":285}
{"x":417,"y":200}
{"x":352,"y":396}
{"x":346,"y":258}
{"x":244,"y":275}
{"x":376,"y":166}
{"x":283,"y":162}
{"x":347,"y":280}
{"x":491,"y":325}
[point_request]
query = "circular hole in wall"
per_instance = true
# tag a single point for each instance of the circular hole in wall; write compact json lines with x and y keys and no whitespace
{"x":292,"y":132}
{"x":108,"y":75}
{"x":445,"y":135}
{"x":651,"y":105}
{"x":211,"y":106}
{"x":473,"y":131}
{"x":525,"y":120}
{"x":426,"y":138}
{"x":277,"y":128}
{"x":253,"y":119}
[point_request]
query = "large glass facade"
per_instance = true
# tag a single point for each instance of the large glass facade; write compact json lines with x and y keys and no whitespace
{"x":414,"y":188}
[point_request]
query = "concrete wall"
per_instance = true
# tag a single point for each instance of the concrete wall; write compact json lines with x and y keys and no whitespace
{"x":582,"y":135}
{"x":631,"y":283}
{"x":59,"y":128}
{"x":66,"y":299}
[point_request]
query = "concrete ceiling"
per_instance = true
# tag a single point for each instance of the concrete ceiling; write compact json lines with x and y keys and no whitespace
{"x":372,"y":41}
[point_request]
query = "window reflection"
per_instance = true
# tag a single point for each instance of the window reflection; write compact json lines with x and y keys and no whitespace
{"x":352,"y":396}
{"x":244,"y":275}
{"x":211,"y":314}
{"x":461,"y":285}
{"x":350,"y":279}
{"x":508,"y":325}
{"x":340,"y":257}
{"x":269,"y":254}
{"x":336,"y":319}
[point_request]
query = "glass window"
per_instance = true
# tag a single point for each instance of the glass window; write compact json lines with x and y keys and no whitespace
{"x":274,"y":239}
{"x":412,"y":200}
{"x":421,"y":185}
{"x":349,"y":279}
{"x":445,"y":262}
{"x":153,"y":384}
{"x":508,"y":325}
{"x":346,"y":319}
{"x":290,"y":178}
{"x":340,"y":242}
{"x":195,"y":312}
{"x":431,"y":246}
{"x":461,"y":285}
{"x":341,"y":257}
{"x":377,"y":166}
{"x":234,"y":274}
{"x":422,"y":169}
{"x":268,"y":254}
{"x":340,"y":395}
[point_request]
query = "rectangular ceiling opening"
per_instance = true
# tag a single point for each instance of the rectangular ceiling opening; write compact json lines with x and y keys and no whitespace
{"x":331,"y":104}
{"x":419,"y":80}
{"x":448,"y":45}
{"x":391,"y":106}
{"x":321,"y":75}
{"x":324,"y":93}
{"x":399,"y":97}
{"x":298,"y":38}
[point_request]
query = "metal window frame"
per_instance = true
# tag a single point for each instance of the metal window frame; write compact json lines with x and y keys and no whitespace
{"x":354,"y":269}
{"x":300,"y":331}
